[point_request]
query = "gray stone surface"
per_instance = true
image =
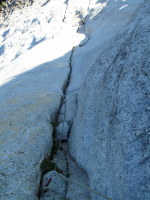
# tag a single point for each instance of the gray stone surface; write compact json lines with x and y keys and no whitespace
{"x":62,"y":131}
{"x":75,"y":173}
{"x":56,"y":190}
{"x":110,"y":135}
{"x":34,"y":68}
{"x":59,"y":188}
{"x":104,"y":21}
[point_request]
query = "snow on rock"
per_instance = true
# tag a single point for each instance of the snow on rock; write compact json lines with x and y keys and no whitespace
{"x":110,"y":134}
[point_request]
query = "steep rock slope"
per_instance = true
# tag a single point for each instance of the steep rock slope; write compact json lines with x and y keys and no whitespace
{"x":36,"y":47}
{"x":110,"y":134}
{"x":38,"y":50}
{"x":104,"y":21}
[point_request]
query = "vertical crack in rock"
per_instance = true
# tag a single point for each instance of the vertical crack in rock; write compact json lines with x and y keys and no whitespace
{"x":107,"y":80}
{"x":58,"y":154}
{"x":50,"y":163}
{"x":59,"y":159}
{"x":61,"y":153}
{"x":65,"y":91}
{"x":69,"y":76}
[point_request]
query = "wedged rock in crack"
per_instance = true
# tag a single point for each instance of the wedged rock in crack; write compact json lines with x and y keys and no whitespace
{"x":62,"y":131}
{"x":75,"y":173}
{"x":56,"y":189}
{"x":61,"y":116}
{"x":110,"y":134}
{"x":61,"y":162}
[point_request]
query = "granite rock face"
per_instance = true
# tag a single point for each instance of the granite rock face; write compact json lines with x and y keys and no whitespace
{"x":62,"y":131}
{"x":34,"y":68}
{"x":94,"y":57}
{"x":110,"y":134}
{"x":105,"y":20}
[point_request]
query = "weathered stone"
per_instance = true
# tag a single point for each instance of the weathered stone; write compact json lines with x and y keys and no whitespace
{"x":62,"y":131}
{"x":56,"y":189}
{"x":76,"y":174}
{"x":110,"y":134}
{"x":35,"y":61}
{"x":109,"y":138}
{"x":104,"y":21}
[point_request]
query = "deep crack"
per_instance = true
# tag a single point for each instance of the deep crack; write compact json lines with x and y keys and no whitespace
{"x":63,"y":103}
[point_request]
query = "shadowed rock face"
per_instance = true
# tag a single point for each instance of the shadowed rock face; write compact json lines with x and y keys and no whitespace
{"x":110,"y":134}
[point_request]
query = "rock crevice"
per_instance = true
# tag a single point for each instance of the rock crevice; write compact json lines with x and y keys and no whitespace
{"x":61,"y":133}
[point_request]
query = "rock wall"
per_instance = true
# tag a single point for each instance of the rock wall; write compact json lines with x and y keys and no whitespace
{"x":47,"y":57}
{"x":37,"y":44}
{"x":110,"y":133}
